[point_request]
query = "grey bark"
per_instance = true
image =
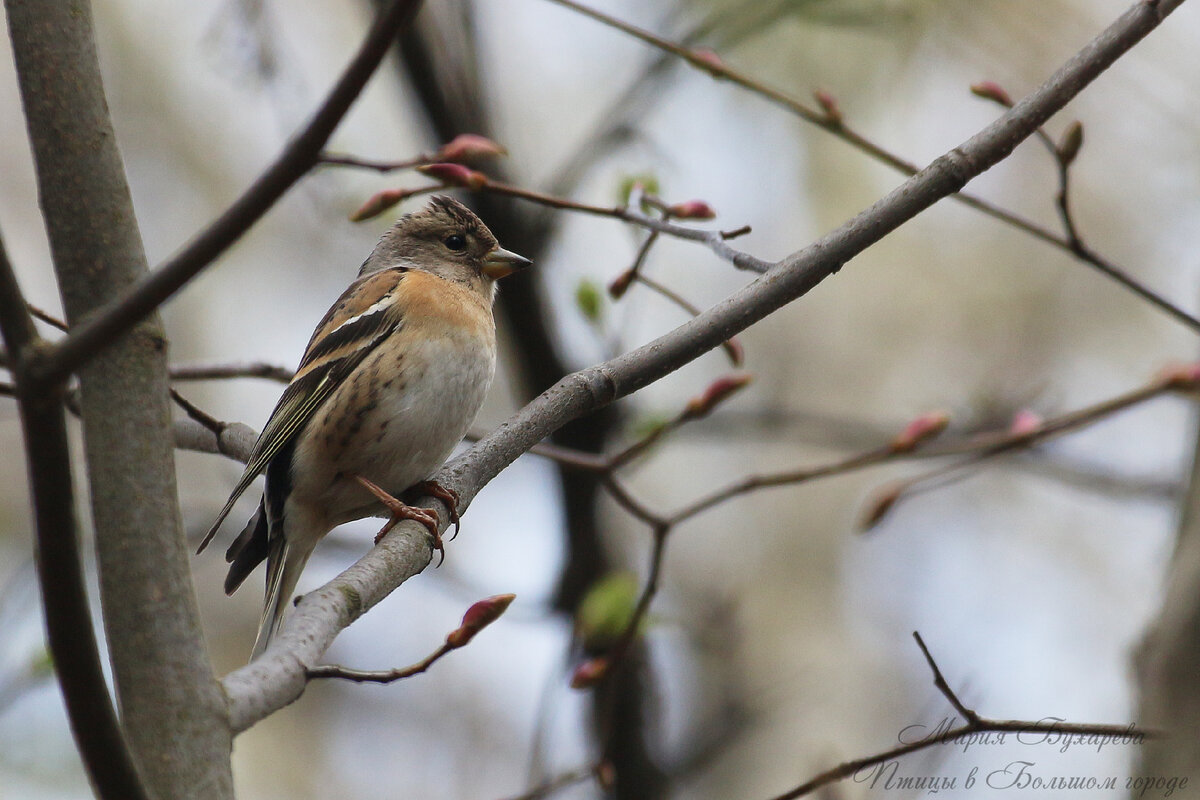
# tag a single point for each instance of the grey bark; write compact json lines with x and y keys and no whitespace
{"x":172,"y":708}
{"x":1168,"y":662}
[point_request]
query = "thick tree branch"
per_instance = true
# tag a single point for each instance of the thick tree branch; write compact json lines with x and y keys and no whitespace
{"x":278,"y":677}
{"x":172,"y":709}
{"x":301,"y":155}
{"x":72,"y":644}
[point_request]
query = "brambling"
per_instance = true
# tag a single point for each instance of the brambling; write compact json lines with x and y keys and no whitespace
{"x":390,"y":381}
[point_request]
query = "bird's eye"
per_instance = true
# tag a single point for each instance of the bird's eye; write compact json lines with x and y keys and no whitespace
{"x":455,"y":242}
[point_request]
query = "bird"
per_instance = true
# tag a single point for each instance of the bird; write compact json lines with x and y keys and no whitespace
{"x":389,"y":383}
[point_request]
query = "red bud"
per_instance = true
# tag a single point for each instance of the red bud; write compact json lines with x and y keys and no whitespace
{"x":920,"y":429}
{"x":455,"y":175}
{"x":478,"y":617}
{"x":708,"y":61}
{"x":1180,"y":376}
{"x":1025,"y":422}
{"x":829,"y":105}
{"x":621,"y":284}
{"x":692,"y":209}
{"x":469,"y":146}
{"x":717,"y":392}
{"x":379,"y":203}
{"x":990,"y":90}
{"x":589,"y":673}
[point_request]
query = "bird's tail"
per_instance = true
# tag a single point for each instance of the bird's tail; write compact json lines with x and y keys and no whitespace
{"x":284,"y":564}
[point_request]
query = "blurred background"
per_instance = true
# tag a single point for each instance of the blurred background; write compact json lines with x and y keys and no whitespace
{"x":780,"y":643}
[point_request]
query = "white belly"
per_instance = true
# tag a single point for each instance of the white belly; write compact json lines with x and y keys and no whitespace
{"x":422,"y":408}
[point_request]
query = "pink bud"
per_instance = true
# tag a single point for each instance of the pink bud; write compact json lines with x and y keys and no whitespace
{"x":707,"y":60}
{"x":478,"y":617}
{"x":455,"y":175}
{"x":717,"y":392}
{"x":990,"y":90}
{"x":379,"y":203}
{"x":1180,"y":376}
{"x":606,"y":775}
{"x":920,"y":429}
{"x":1025,"y":422}
{"x":691,"y":209}
{"x":469,"y":146}
{"x":621,"y":284}
{"x":589,"y":673}
{"x":828,"y":104}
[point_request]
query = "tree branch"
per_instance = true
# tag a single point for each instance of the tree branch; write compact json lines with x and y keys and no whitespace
{"x":478,"y":617}
{"x":211,"y":372}
{"x":277,"y":678}
{"x":172,"y":710}
{"x":71,"y":640}
{"x":301,"y":154}
{"x":974,"y":724}
{"x":829,"y":118}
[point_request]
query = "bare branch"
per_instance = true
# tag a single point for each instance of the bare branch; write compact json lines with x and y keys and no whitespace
{"x":940,"y":682}
{"x":278,"y":677}
{"x":989,"y":446}
{"x":478,"y":617}
{"x":831,"y":120}
{"x":974,"y":724}
{"x":377,"y":676}
{"x":210,"y":372}
{"x":293,"y":163}
{"x":69,"y":632}
{"x":458,"y":176}
{"x":567,"y":779}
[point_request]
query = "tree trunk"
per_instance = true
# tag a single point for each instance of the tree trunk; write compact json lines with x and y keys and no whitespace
{"x":1168,"y":662}
{"x":172,"y":708}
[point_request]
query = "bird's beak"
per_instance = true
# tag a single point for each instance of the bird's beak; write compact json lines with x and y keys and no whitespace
{"x":501,"y":262}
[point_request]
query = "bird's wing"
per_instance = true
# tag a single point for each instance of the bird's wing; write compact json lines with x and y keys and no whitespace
{"x":363,"y":316}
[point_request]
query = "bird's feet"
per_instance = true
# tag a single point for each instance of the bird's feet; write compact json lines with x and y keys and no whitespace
{"x":401,"y":511}
{"x":447,"y":496}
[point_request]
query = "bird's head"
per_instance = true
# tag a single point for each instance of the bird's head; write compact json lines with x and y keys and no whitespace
{"x":448,"y":240}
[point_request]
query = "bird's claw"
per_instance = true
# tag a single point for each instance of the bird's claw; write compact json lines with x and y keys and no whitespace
{"x":401,"y":511}
{"x":447,"y":496}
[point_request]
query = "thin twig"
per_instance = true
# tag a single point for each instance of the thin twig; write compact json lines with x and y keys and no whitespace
{"x":631,"y":504}
{"x":276,"y":678}
{"x":940,"y":682}
{"x":338,"y":159}
{"x":253,"y":369}
{"x":717,"y":240}
{"x":979,"y":449}
{"x":216,"y":426}
{"x":561,"y":782}
{"x":974,"y":724}
{"x":300,"y":155}
{"x":377,"y":676}
{"x":47,"y":317}
{"x":478,"y":616}
{"x":732,"y":347}
{"x":835,"y":124}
